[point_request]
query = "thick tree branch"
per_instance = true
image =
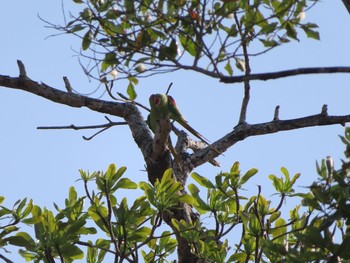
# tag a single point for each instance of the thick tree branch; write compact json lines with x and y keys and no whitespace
{"x":59,"y":96}
{"x":158,"y":163}
{"x":126,"y":110}
{"x":244,"y":131}
{"x":285,"y":73}
{"x":347,"y":5}
{"x":142,"y":134}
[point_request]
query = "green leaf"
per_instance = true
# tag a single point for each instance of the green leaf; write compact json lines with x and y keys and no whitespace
{"x":188,"y":44}
{"x":72,"y":195}
{"x":87,"y":40}
{"x":238,"y":257}
{"x":97,"y":214}
{"x":295,"y":177}
{"x":254,"y":226}
{"x":131,"y":91}
{"x":268,"y":42}
{"x":149,"y":192}
{"x":200,"y":205}
{"x":125,"y":183}
{"x":7,"y":230}
{"x":277,"y":183}
{"x":22,"y":239}
{"x":129,"y":6}
{"x":109,"y":61}
{"x":21,"y":206}
{"x":274,"y":216}
{"x":76,"y":28}
{"x":140,"y":234}
{"x":235,"y":168}
{"x":291,"y":32}
{"x":111,"y":171}
{"x":110,"y":28}
{"x":229,"y":68}
{"x":203,"y":181}
{"x":285,"y":173}
{"x":71,"y":251}
{"x":248,"y":175}
{"x":268,"y":28}
{"x":280,"y":229}
{"x":188,"y":199}
{"x":311,"y":33}
{"x":27,"y":255}
{"x":166,"y":52}
{"x":343,"y":249}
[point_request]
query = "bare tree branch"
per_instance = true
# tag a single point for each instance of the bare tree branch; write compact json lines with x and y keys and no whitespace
{"x":5,"y":259}
{"x":285,"y":73}
{"x":244,"y":131}
{"x":103,"y":127}
{"x":142,"y":135}
{"x":74,"y":127}
{"x":59,"y":96}
{"x":347,"y":5}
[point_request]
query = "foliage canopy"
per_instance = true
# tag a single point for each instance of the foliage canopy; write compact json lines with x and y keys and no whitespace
{"x":317,"y":229}
{"x":141,"y":38}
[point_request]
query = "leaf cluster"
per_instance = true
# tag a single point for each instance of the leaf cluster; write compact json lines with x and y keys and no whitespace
{"x":142,"y":38}
{"x":233,"y":227}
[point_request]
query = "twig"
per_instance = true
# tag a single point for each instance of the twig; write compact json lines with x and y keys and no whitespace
{"x":94,"y":135}
{"x":285,"y":73}
{"x":167,"y":91}
{"x":67,"y":84}
{"x":276,"y":114}
{"x":246,"y":98}
{"x":86,"y":244}
{"x":72,"y":126}
{"x":22,"y":69}
{"x":135,"y":102}
{"x":103,"y":126}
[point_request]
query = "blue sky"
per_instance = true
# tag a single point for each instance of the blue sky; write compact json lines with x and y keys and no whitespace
{"x":42,"y":165}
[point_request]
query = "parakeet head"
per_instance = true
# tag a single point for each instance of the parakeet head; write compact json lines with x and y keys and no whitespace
{"x":158,"y":100}
{"x":152,"y":100}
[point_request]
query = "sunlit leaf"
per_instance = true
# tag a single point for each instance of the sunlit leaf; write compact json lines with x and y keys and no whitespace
{"x":131,"y":91}
{"x":228,"y":68}
{"x":203,"y":181}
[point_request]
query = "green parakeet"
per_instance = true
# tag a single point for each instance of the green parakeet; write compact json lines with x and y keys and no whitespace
{"x":159,"y":109}
{"x":165,"y":105}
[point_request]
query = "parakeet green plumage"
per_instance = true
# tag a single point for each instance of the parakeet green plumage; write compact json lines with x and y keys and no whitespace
{"x":159,"y":109}
{"x":176,"y":115}
{"x":165,"y":105}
